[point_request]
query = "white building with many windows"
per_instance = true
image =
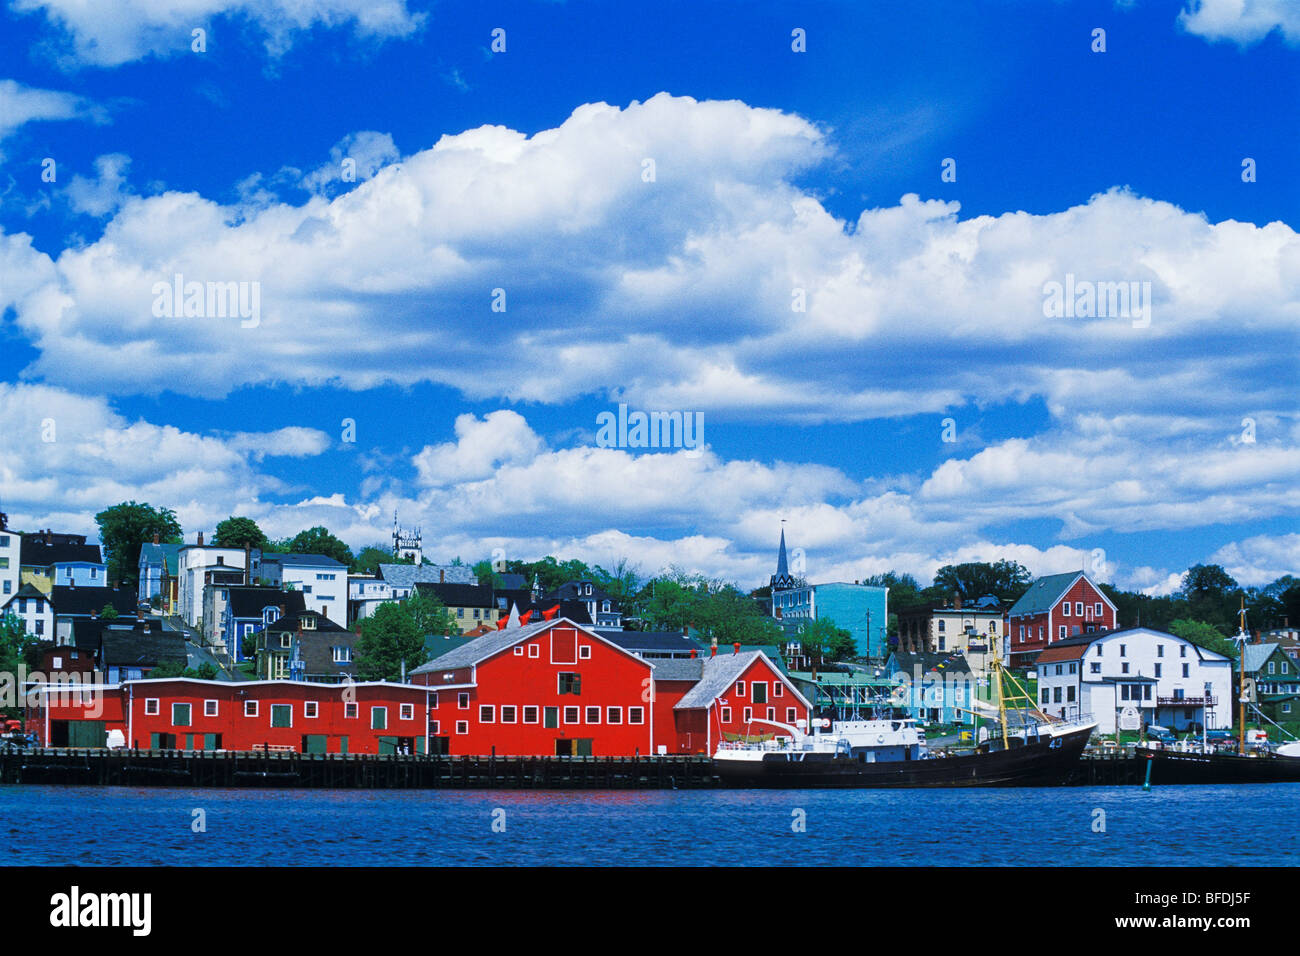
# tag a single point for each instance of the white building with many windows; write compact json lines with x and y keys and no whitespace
{"x":11,"y":543}
{"x":1135,"y":677}
{"x":322,"y":581}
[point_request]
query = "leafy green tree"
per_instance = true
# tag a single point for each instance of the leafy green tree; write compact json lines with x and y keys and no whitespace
{"x":1203,"y":635}
{"x":236,"y":532}
{"x":904,"y":590}
{"x":429,"y":615}
{"x":487,"y":577}
{"x":825,"y":642}
{"x":389,"y":637}
{"x":124,"y":527}
{"x":109,"y":613}
{"x":318,"y":540}
{"x":370,"y":558}
{"x":1007,"y":580}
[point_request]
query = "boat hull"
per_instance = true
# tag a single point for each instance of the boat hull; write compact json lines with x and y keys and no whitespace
{"x":1171,"y":768}
{"x":1044,"y":763}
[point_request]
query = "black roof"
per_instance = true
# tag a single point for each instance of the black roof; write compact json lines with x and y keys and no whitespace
{"x":134,"y":648}
{"x":248,"y":601}
{"x":38,"y":554}
{"x":290,"y":622}
{"x":512,"y":582}
{"x":84,"y":601}
{"x":571,"y":590}
{"x":458,"y":595}
{"x":316,"y":648}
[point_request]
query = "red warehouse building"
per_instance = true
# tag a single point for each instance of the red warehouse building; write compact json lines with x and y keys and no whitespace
{"x":557,"y":688}
{"x":188,"y":714}
{"x":1055,"y":607}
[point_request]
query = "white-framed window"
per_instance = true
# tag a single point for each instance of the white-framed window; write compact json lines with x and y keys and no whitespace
{"x":1096,"y":609}
{"x":151,"y":707}
{"x":310,"y":709}
{"x":636,"y":715}
{"x":1078,"y":609}
{"x":748,"y":715}
{"x":791,"y":715}
{"x":250,"y":708}
{"x":462,"y":701}
{"x":571,"y":715}
{"x":1060,"y":633}
{"x":406,"y":712}
{"x":593,"y":715}
{"x":342,"y":655}
{"x":433,"y":700}
{"x":740,"y":688}
{"x":350,"y":710}
{"x":726,"y":715}
{"x":181,"y":715}
{"x":209,"y":708}
{"x":487,"y":713}
{"x":519,"y":650}
{"x":281,"y":715}
{"x":462,"y":726}
{"x":584,"y":652}
{"x":778,"y":689}
{"x":771,"y":712}
{"x":613,"y":715}
{"x":534,"y":650}
{"x":1065,"y":609}
{"x":530,"y":713}
{"x":378,"y":718}
{"x":509,"y":714}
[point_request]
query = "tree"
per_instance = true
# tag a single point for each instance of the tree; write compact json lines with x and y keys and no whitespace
{"x":204,"y":671}
{"x":318,"y":540}
{"x":824,"y":641}
{"x":124,"y":527}
{"x":370,"y":558}
{"x":1006,"y":580}
{"x":388,"y":639}
{"x":486,"y":576}
{"x":429,"y":615}
{"x":237,"y":532}
{"x":109,"y":613}
{"x":1203,"y":635}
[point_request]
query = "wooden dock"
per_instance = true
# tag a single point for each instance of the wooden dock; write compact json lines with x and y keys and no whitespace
{"x":197,"y":768}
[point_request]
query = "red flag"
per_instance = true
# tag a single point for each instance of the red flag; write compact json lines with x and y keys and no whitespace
{"x":550,"y":615}
{"x":501,"y":624}
{"x":523,"y":618}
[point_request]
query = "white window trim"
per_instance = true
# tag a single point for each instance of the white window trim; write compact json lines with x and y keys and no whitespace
{"x":564,"y":713}
{"x":515,"y":711}
{"x":211,"y":708}
{"x":534,"y":651}
{"x":614,"y":710}
{"x":406,"y":712}
{"x":310,"y":710}
{"x":490,"y":711}
{"x":271,"y":715}
{"x":152,"y":702}
{"x":537,"y":714}
{"x":587,"y":713}
{"x":380,"y":707}
{"x":250,"y":704}
{"x":636,"y":710}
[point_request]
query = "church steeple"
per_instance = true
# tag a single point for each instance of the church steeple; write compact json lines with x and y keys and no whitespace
{"x":782,"y":566}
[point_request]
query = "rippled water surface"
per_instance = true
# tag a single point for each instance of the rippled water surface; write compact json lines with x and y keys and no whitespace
{"x":1177,"y":826}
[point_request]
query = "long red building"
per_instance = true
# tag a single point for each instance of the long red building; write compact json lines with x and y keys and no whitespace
{"x":551,"y":688}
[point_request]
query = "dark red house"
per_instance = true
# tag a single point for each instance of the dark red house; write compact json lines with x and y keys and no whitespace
{"x":1055,"y":607}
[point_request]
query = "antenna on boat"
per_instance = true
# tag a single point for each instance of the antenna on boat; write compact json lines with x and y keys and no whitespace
{"x":1240,"y":640}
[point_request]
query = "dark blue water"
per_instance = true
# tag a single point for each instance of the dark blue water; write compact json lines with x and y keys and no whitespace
{"x":1174,"y":826}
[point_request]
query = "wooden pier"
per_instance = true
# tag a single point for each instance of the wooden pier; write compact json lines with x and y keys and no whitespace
{"x":197,"y":768}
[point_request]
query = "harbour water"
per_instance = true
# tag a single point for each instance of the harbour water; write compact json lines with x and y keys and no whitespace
{"x":1074,"y":826}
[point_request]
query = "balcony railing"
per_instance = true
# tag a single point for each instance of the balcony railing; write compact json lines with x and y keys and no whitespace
{"x":1186,"y":701}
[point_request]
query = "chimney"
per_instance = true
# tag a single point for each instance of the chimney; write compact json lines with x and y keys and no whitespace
{"x":442,"y":575}
{"x":956,"y":600}
{"x":248,"y":563}
{"x":155,"y":538}
{"x":686,"y":631}
{"x":735,"y":648}
{"x":200,"y":539}
{"x":694,"y":653}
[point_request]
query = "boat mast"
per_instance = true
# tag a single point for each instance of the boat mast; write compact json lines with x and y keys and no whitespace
{"x":1002,"y":701}
{"x":1241,"y":678}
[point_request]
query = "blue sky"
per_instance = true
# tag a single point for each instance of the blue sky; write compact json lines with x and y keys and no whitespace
{"x":775,"y":170}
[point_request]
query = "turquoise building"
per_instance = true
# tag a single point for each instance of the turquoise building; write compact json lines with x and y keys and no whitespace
{"x":860,"y":609}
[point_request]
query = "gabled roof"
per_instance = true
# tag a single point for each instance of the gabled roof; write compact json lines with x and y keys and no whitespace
{"x":1254,"y":656}
{"x":302,"y":560}
{"x":26,"y":591}
{"x":248,"y":601}
{"x":513,"y":581}
{"x":409,"y":575}
{"x":953,"y":662}
{"x":489,"y":645}
{"x":37,"y":554}
{"x":160,"y":555}
{"x":1047,"y":590}
{"x":720,"y":673}
{"x":86,"y":601}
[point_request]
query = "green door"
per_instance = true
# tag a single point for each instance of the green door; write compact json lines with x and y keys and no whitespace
{"x":388,"y":745}
{"x":314,"y":743}
{"x":86,"y":733}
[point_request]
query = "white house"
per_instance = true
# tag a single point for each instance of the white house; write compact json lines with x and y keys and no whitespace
{"x":1135,"y":676}
{"x":33,"y":609}
{"x":194,"y":561}
{"x":11,"y":543}
{"x":322,"y":581}
{"x":365,"y":593}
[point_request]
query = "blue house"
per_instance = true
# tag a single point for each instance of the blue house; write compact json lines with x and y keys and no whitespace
{"x":157,"y":562}
{"x":249,"y":609}
{"x":933,"y":687}
{"x":860,"y":609}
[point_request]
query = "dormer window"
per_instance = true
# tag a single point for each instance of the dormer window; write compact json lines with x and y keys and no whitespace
{"x":308,"y":623}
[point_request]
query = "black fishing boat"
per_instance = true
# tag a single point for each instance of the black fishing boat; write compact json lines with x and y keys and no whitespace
{"x":1173,"y":767}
